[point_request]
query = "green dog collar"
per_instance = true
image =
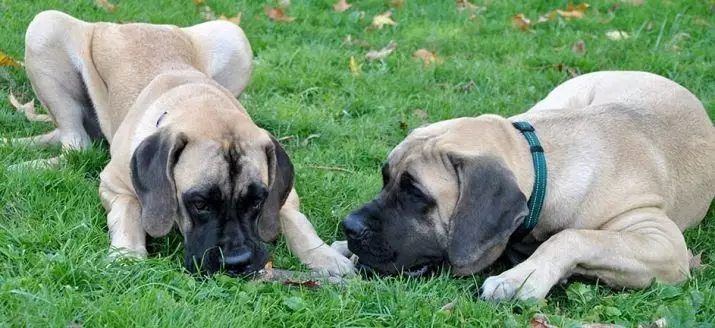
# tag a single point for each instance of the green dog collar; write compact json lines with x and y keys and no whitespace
{"x":538,"y":193}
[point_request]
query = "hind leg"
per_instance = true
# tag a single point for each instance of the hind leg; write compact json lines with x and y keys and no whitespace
{"x":53,"y":43}
{"x":224,"y":52}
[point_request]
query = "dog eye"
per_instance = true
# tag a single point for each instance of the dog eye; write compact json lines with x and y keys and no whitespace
{"x":200,"y":205}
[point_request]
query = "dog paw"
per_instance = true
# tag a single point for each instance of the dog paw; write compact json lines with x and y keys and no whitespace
{"x":121,"y":253}
{"x":522,"y":282}
{"x":327,"y":261}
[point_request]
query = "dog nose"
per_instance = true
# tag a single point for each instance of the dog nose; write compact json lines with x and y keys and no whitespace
{"x":354,"y":226}
{"x":237,"y":262}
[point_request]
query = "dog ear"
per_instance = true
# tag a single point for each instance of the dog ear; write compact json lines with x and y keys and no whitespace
{"x":489,"y":209}
{"x":152,"y":171}
{"x":281,"y":174}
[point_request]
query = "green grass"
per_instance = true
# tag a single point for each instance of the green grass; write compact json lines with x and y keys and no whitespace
{"x":53,"y":236}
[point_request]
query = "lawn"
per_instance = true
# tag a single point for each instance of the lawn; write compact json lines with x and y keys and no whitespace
{"x":338,"y":126}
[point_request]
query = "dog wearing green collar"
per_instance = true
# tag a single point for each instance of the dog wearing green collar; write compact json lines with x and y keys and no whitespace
{"x":599,"y":179}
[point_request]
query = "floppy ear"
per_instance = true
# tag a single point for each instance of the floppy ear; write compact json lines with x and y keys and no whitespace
{"x":280,"y":173}
{"x":152,"y":171}
{"x":489,"y":209}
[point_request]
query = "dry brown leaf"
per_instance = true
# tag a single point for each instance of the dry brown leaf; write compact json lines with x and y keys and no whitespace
{"x":349,"y":41}
{"x":106,"y":5}
{"x":396,"y":3}
{"x":7,"y":61}
{"x":341,"y":5}
{"x":449,"y":307}
{"x":355,"y":68}
{"x":634,"y":2}
{"x":197,"y":2}
{"x":423,"y":115}
{"x":466,"y":5}
{"x":278,"y":15}
{"x":382,"y":53}
{"x":236,"y":19}
{"x":521,"y":22}
{"x":379,"y":21}
{"x":547,"y":17}
{"x":207,"y":13}
{"x":695,"y":261}
{"x":540,"y":321}
{"x":573,"y":11}
{"x":28,"y":109}
{"x":427,"y":57}
{"x":579,"y":47}
{"x":617,"y":35}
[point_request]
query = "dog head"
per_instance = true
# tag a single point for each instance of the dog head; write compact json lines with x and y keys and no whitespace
{"x":445,"y":201}
{"x":221,"y":180}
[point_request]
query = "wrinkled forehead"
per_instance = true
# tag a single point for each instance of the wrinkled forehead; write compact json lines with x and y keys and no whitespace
{"x":208,"y":163}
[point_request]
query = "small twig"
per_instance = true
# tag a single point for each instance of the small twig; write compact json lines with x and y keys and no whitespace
{"x":329,"y":168}
{"x":280,"y":275}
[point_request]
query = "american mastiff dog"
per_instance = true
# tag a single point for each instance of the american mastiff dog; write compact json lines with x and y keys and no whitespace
{"x":184,"y":152}
{"x":617,"y":163}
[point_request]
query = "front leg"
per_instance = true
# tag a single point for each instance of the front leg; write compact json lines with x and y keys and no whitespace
{"x":632,"y":249}
{"x":127,"y":236}
{"x":304,"y":242}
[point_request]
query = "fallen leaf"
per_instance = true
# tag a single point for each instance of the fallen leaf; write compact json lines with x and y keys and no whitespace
{"x":197,"y":2}
{"x":278,"y":15}
{"x":236,"y":19}
{"x":283,"y":3}
{"x":396,"y":3}
{"x":106,"y":5}
{"x":349,"y":41}
{"x":614,"y":7}
{"x":617,"y":35}
{"x":694,"y":261}
{"x":268,"y":268}
{"x":403,"y":126}
{"x":28,"y":109}
{"x":379,"y":21}
{"x":341,"y":5}
{"x":547,"y":17}
{"x":355,"y":68}
{"x":634,"y":2}
{"x":7,"y":61}
{"x":449,"y":307}
{"x":207,"y":13}
{"x":521,"y":22}
{"x":540,"y":321}
{"x":579,"y":47}
{"x":466,"y":5}
{"x":382,"y":53}
{"x":574,"y":11}
{"x":427,"y":57}
{"x":423,"y":115}
{"x":308,"y":284}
